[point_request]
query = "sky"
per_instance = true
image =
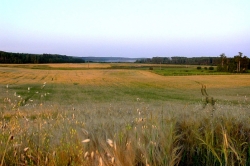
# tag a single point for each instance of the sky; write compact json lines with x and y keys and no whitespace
{"x":126,"y":28}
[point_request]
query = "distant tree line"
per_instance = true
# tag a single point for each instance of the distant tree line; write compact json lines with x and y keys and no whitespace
{"x":181,"y":60}
{"x":238,"y":63}
{"x":21,"y":58}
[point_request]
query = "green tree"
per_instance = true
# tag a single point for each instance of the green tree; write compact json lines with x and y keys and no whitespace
{"x":244,"y":63}
{"x":223,"y":57}
{"x":221,"y":66}
{"x":238,"y":60}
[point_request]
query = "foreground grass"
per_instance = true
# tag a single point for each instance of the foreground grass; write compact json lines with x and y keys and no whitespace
{"x":115,"y":134}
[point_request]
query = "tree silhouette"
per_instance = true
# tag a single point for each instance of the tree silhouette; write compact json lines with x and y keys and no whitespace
{"x":223,"y":57}
{"x":240,"y":55}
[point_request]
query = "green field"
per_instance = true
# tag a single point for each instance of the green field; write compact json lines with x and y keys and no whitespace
{"x":122,"y":114}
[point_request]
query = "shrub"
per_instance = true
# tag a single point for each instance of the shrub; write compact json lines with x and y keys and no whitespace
{"x":151,"y":68}
{"x":198,"y":68}
{"x":205,"y":68}
{"x":211,"y":68}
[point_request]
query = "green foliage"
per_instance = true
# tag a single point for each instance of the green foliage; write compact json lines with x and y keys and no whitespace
{"x":21,"y":58}
{"x":237,"y":64}
{"x":199,"y":68}
{"x":181,"y":60}
{"x":221,"y":69}
{"x":183,"y":71}
{"x":211,"y":68}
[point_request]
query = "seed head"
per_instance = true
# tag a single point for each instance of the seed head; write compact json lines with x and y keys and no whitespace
{"x":86,"y":140}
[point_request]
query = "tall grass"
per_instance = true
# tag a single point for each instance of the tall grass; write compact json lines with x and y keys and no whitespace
{"x":114,"y":135}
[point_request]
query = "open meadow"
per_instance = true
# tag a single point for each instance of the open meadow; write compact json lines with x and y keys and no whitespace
{"x":122,"y":114}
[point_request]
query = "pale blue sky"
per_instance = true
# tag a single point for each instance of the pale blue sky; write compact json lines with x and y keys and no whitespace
{"x":126,"y":28}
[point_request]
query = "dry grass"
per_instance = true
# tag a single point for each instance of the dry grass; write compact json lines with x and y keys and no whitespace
{"x":73,"y":125}
{"x":124,"y":77}
{"x":117,"y":135}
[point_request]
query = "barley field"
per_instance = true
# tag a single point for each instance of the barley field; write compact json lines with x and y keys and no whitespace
{"x":121,"y":114}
